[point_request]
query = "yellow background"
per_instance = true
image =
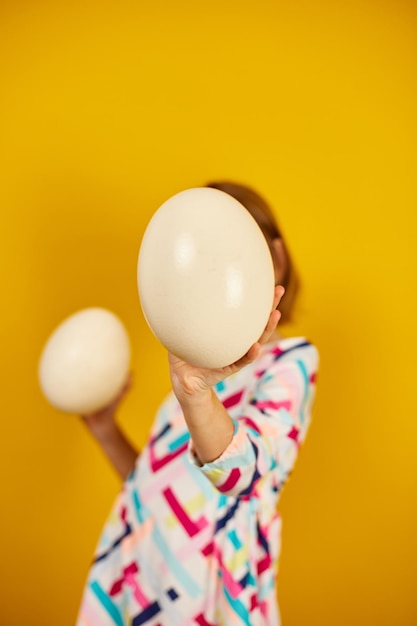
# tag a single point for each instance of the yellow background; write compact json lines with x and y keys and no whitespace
{"x":107,"y":109}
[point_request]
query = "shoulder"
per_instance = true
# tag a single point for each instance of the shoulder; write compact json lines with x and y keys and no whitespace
{"x":281,"y":382}
{"x":291,"y":350}
{"x":288,"y":368}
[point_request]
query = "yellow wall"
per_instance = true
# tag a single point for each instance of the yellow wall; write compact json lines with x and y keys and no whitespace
{"x":107,"y":109}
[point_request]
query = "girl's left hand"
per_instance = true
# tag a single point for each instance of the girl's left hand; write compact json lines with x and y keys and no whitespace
{"x":189,"y":380}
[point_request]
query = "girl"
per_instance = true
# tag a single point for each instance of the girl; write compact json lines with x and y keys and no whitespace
{"x":194,"y":536}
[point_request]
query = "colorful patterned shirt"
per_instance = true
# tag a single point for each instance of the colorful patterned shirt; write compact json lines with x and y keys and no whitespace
{"x":191,"y":544}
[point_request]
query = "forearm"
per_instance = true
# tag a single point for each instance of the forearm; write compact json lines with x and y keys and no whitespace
{"x":211,"y":427}
{"x":118,"y":449}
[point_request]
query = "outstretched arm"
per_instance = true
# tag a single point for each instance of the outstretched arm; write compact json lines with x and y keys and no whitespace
{"x":209,"y":423}
{"x":114,"y":443}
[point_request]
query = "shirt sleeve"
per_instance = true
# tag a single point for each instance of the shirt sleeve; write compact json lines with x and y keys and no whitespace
{"x":269,"y":429}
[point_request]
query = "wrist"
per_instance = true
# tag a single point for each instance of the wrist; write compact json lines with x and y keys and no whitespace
{"x":194,"y":398}
{"x":103,"y":431}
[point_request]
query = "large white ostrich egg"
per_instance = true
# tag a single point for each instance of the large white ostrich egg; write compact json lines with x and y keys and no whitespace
{"x":85,"y":361}
{"x":205,"y":277}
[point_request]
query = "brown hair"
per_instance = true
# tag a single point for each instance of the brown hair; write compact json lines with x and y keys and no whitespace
{"x":262,"y":213}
